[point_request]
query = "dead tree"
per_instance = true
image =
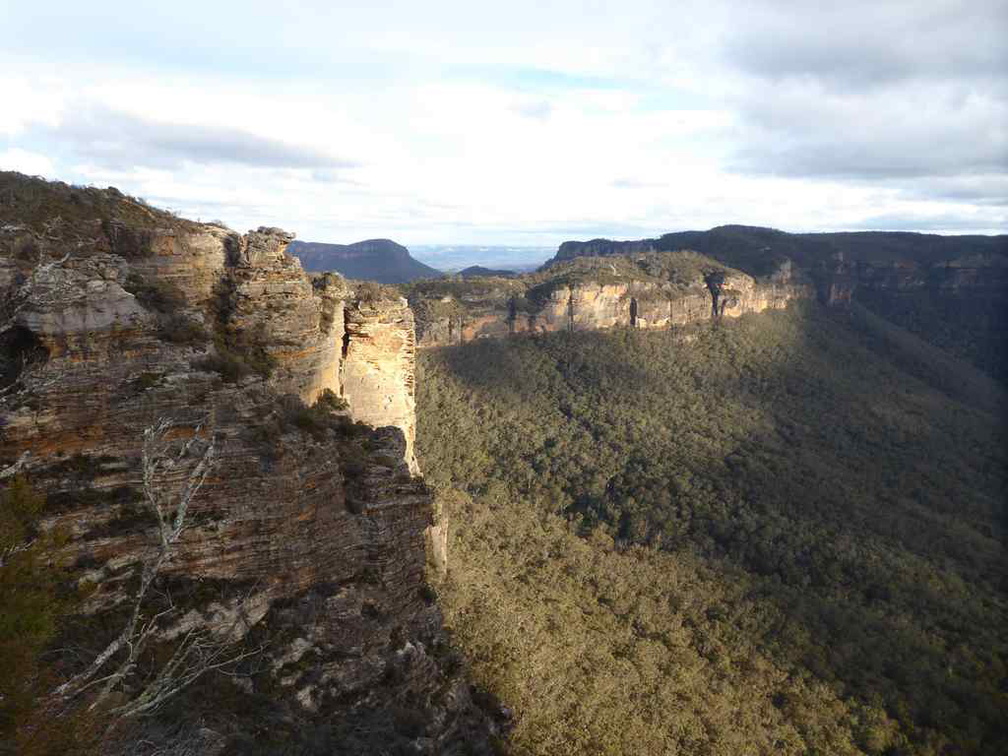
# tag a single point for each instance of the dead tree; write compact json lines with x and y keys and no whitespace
{"x":199,"y":650}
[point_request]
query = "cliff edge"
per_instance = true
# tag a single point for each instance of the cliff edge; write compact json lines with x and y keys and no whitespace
{"x":147,"y":359}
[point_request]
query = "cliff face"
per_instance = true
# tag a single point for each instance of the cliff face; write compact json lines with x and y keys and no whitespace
{"x":951,"y":290}
{"x":641,"y":293}
{"x":379,"y":364}
{"x":600,"y":247}
{"x":310,"y":526}
{"x":961,"y":304}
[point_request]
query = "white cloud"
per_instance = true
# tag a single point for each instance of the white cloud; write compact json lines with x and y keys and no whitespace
{"x":472,"y":123}
{"x":30,"y":163}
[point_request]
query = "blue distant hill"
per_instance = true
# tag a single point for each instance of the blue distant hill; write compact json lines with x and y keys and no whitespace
{"x":381,"y":260}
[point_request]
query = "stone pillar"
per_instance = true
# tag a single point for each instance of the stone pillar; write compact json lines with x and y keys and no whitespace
{"x":378,"y":367}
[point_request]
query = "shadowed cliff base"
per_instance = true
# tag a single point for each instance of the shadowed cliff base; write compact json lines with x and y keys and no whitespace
{"x":765,"y":535}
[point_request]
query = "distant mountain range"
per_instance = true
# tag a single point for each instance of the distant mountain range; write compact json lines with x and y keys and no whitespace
{"x":380,"y":260}
{"x":758,"y":251}
{"x":474,"y":271}
{"x":455,"y":257}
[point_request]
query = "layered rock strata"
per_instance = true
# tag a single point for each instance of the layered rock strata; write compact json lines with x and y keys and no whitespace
{"x":307,"y":538}
{"x":377,"y":377}
{"x":499,"y":307}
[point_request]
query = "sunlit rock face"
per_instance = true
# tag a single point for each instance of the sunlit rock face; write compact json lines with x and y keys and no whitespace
{"x":191,"y":258}
{"x":267,"y":302}
{"x":515,"y":307}
{"x":378,"y":367}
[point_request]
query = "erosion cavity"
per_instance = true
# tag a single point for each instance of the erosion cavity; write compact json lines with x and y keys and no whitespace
{"x":19,"y":350}
{"x":715,"y":283}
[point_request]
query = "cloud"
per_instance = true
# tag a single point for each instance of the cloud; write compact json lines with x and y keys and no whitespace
{"x":31,"y":163}
{"x":879,"y":93}
{"x":857,"y":46}
{"x":538,"y":110}
{"x":633,"y":183}
{"x":522,"y":122}
{"x":922,"y":129}
{"x":118,"y":140}
{"x":941,"y":222}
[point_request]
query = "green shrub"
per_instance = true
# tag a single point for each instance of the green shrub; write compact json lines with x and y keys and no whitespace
{"x":728,"y":545}
{"x":228,"y":365}
{"x":143,"y":382}
{"x":155,"y":294}
{"x":30,"y":608}
{"x":327,"y":400}
{"x":182,"y":329}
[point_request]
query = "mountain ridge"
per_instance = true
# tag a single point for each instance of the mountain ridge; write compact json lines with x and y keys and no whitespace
{"x":746,"y":247}
{"x":381,"y":260}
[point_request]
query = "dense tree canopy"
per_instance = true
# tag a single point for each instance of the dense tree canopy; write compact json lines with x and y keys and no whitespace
{"x":782,"y":534}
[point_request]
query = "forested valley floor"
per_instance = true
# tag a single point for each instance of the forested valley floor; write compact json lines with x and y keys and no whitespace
{"x":781,"y":534}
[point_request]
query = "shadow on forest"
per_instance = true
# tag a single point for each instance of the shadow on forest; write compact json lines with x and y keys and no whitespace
{"x":827,"y":456}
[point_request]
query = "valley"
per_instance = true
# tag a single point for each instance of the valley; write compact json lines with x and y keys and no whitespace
{"x":772,"y":534}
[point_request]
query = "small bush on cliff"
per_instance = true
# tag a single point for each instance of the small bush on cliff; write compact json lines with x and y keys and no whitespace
{"x":228,"y":365}
{"x":233,"y":365}
{"x":155,"y":294}
{"x":327,"y":400}
{"x":182,"y":329}
{"x":316,"y":420}
{"x":31,"y":605}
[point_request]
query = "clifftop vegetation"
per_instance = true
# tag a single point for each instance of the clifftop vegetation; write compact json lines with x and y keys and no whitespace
{"x":681,"y":268}
{"x":53,"y":207}
{"x":758,"y":251}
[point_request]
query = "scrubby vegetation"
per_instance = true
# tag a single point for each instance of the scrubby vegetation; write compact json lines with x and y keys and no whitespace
{"x":54,"y":209}
{"x":971,"y":327}
{"x":33,"y":603}
{"x":155,"y":294}
{"x":782,"y":535}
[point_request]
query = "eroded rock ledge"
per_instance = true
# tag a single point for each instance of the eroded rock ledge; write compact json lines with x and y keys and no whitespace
{"x":640,"y":289}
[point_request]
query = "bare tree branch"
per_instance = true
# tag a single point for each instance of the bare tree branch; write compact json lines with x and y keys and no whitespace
{"x":188,"y":662}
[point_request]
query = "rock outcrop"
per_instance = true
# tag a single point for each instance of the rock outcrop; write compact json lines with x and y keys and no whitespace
{"x":379,"y":360}
{"x":645,"y":291}
{"x":601,"y":247}
{"x":307,"y":538}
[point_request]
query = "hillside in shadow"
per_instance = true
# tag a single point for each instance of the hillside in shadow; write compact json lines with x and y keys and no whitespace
{"x":782,"y":534}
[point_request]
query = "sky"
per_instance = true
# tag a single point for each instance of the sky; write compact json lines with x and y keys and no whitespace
{"x":519,"y":123}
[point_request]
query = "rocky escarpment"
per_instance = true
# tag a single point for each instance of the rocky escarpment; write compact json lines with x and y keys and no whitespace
{"x":951,"y":290}
{"x":601,"y":247}
{"x":959,"y":304}
{"x":305,"y":545}
{"x":653,"y":290}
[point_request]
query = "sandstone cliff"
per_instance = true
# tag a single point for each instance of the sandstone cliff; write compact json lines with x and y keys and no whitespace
{"x":951,"y":290}
{"x":649,"y":290}
{"x":310,"y":527}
